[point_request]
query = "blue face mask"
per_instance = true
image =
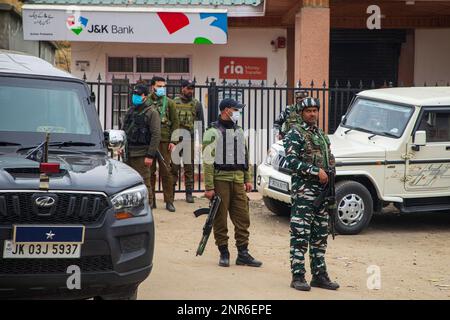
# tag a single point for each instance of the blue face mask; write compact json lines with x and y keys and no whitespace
{"x":160,"y":92}
{"x":137,"y":100}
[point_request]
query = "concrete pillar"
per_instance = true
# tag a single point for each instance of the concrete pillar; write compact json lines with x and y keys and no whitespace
{"x":312,"y":47}
{"x":312,"y":42}
{"x":406,"y":60}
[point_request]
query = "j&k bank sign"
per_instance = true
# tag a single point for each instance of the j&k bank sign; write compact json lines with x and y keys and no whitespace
{"x":124,"y":25}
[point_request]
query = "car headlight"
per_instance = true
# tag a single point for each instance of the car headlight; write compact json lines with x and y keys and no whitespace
{"x":131,"y":201}
{"x":270,"y":156}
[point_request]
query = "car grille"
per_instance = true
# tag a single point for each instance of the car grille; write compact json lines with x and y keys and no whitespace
{"x":280,"y":164}
{"x":19,"y":207}
{"x":52,"y":266}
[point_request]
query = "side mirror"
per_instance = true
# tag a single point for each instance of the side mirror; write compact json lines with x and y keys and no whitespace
{"x":115,"y":139}
{"x":420,"y":139}
{"x":92,"y":97}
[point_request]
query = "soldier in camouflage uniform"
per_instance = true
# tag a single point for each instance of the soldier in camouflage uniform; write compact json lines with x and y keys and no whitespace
{"x":308,"y":155}
{"x":290,"y":115}
{"x":169,"y":123}
{"x":189,"y":111}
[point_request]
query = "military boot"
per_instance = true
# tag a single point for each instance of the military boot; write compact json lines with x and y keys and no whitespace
{"x":224,"y":260}
{"x":170,"y":207}
{"x":323,"y":281}
{"x":245,"y":259}
{"x":154,"y":202}
{"x":189,"y":197}
{"x":299,"y":283}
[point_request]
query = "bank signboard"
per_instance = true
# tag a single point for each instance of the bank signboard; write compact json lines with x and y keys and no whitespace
{"x":142,"y":25}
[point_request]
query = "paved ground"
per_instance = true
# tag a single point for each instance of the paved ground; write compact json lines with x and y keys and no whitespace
{"x":412,"y":253}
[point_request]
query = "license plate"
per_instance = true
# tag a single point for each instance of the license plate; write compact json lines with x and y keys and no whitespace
{"x":278,"y":185}
{"x":41,"y":250}
{"x":32,"y":234}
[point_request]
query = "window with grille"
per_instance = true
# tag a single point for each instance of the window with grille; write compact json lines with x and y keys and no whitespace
{"x":176,"y":65}
{"x":120,"y":64}
{"x":152,"y":65}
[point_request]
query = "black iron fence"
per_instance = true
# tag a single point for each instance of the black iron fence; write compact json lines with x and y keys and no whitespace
{"x":263,"y":101}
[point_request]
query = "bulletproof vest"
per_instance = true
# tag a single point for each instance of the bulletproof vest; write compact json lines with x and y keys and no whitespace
{"x":229,"y":156}
{"x":186,"y":112}
{"x":317,"y":146}
{"x":136,"y":126}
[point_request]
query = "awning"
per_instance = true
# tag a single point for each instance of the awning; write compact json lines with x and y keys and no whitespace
{"x":125,"y":24}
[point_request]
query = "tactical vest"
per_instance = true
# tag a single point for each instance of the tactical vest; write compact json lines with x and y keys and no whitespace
{"x":221,"y":163}
{"x":136,"y":127}
{"x":162,"y":106}
{"x":316,"y":147}
{"x":186,"y":112}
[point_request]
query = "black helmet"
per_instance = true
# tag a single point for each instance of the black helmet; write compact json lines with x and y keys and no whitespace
{"x":309,"y":103}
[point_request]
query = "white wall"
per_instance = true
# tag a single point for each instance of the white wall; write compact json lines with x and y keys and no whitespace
{"x":432,"y":56}
{"x":205,"y":58}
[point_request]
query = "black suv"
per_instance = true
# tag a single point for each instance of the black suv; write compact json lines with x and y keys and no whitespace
{"x":88,"y":231}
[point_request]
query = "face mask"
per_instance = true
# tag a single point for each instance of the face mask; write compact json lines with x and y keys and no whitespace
{"x":160,"y":92}
{"x":235,"y":116}
{"x":137,"y":100}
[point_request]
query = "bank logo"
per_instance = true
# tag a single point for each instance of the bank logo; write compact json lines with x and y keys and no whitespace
{"x":76,"y":24}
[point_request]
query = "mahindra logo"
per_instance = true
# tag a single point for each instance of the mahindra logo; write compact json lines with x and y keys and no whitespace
{"x":45,"y":202}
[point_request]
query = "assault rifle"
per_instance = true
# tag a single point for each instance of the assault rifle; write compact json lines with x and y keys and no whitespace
{"x":211,"y":212}
{"x":329,"y":195}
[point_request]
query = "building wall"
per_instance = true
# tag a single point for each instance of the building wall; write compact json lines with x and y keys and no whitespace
{"x":205,"y":59}
{"x":432,"y":52}
{"x":11,"y":38}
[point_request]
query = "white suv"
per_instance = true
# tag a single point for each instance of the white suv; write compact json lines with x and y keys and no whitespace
{"x":392,"y":146}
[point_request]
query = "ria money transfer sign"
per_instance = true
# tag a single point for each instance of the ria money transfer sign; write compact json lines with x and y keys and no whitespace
{"x":124,"y":25}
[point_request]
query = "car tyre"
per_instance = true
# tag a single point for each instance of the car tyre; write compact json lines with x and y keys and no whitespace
{"x":354,"y":207}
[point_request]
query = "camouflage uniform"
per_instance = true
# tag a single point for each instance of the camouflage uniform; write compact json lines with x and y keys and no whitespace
{"x":307,"y":150}
{"x":189,"y":110}
{"x":169,"y":123}
{"x":288,"y":117}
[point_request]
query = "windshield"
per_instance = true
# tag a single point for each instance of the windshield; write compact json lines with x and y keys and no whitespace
{"x":31,"y":107}
{"x":383,"y":118}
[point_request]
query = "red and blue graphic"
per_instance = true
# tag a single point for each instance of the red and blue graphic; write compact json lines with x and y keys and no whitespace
{"x":76,"y":24}
{"x":199,"y":28}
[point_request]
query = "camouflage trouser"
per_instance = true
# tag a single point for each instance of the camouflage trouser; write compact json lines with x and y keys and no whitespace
{"x":309,"y":226}
{"x":188,"y":165}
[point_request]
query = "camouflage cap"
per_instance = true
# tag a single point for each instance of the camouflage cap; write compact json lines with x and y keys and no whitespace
{"x":309,"y":103}
{"x":301,"y":94}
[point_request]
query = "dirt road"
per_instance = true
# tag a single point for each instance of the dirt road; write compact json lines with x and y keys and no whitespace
{"x":412,"y":253}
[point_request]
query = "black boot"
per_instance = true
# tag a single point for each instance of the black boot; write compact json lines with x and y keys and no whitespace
{"x":170,"y":206}
{"x":245,"y":259}
{"x":154,"y":202}
{"x":299,"y":283}
{"x":323,"y":281}
{"x":224,"y":260}
{"x":189,"y":197}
